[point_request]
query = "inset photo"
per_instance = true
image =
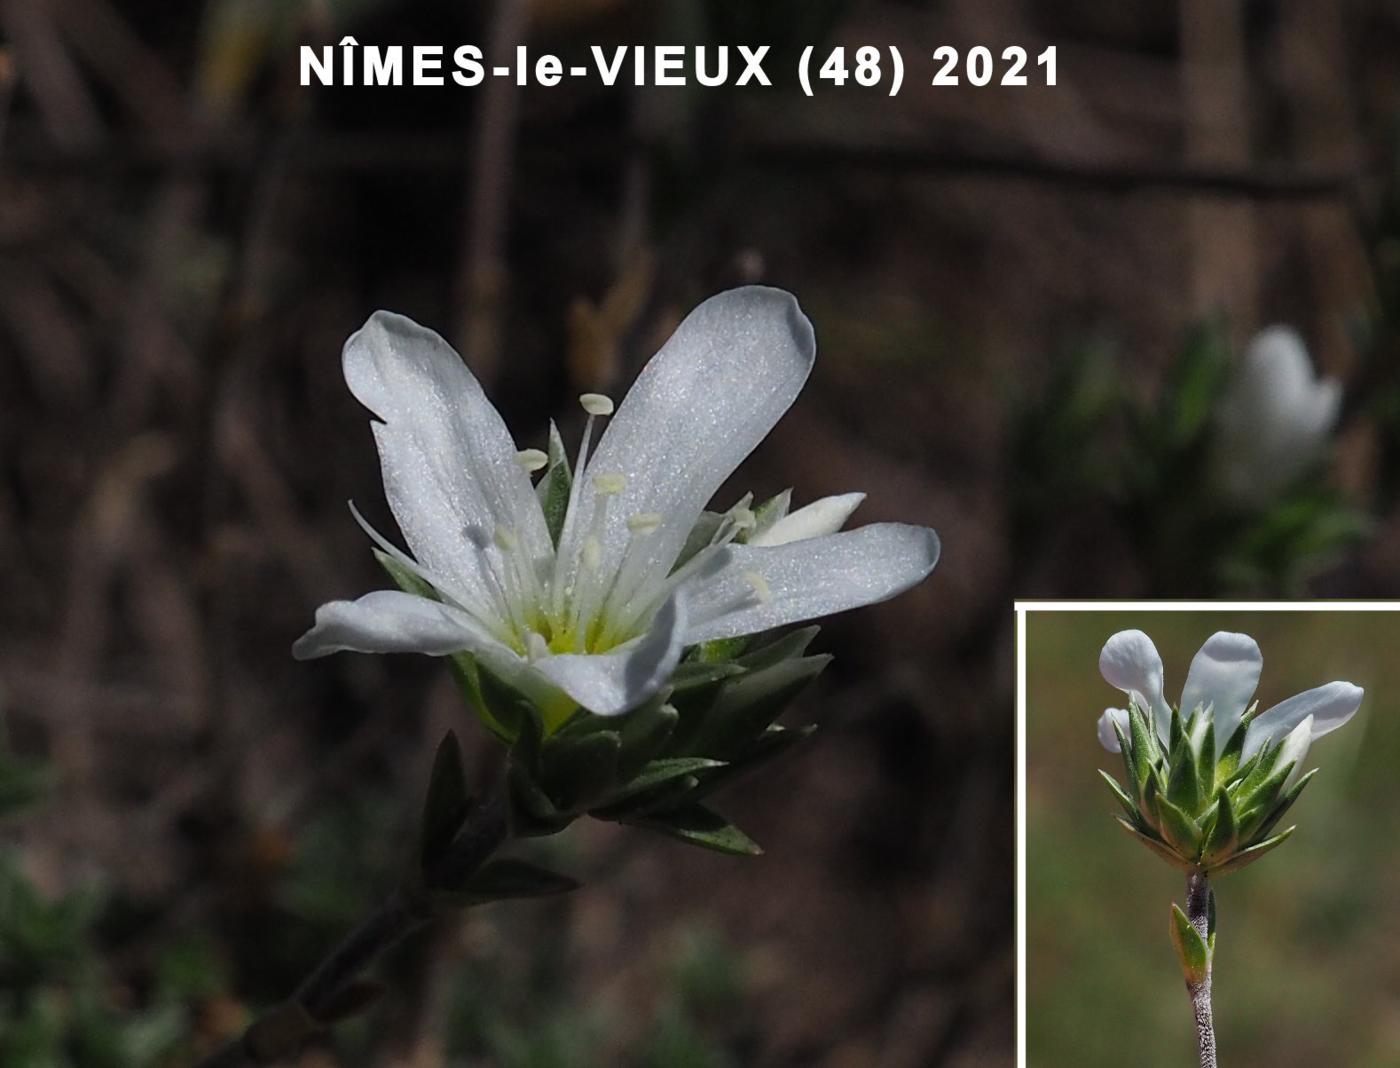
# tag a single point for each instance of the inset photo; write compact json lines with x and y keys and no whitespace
{"x":1210,"y":807}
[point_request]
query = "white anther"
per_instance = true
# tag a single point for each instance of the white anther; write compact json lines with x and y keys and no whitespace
{"x":591,"y":554}
{"x":596,"y":403}
{"x":644,"y":522}
{"x":760,"y":586}
{"x":505,"y":540}
{"x":536,"y":648}
{"x":610,"y":485}
{"x":743,"y":518}
{"x":532,"y":460}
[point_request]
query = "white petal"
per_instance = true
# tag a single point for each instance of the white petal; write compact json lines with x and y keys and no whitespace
{"x":768,"y":587}
{"x":1108,"y":738}
{"x":389,"y":621}
{"x":1131,"y":662}
{"x":824,"y":516}
{"x":449,"y":463}
{"x":1329,"y":706}
{"x":712,"y":393}
{"x":1223,"y":675}
{"x":612,"y":683}
{"x":1294,"y":750}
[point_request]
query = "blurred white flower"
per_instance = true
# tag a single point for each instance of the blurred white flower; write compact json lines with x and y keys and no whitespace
{"x":601,"y":619}
{"x":1275,"y":417}
{"x":1221,"y":681}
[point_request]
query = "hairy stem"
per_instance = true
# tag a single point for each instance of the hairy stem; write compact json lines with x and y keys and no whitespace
{"x":278,"y":1032}
{"x":1198,"y":912}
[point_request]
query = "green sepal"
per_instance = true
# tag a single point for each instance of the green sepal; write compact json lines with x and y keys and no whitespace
{"x":745,"y":706}
{"x":1256,"y":804}
{"x":789,"y":646}
{"x":1191,"y":948}
{"x":1183,"y":783}
{"x":447,"y":804}
{"x":1125,"y":753}
{"x":505,"y":878}
{"x":1281,"y":809}
{"x":1160,"y":848}
{"x":1246,"y":857}
{"x":1224,"y":837}
{"x":644,"y":733}
{"x":697,"y":674}
{"x":701,"y":826}
{"x":656,"y":774}
{"x":1175,"y":733}
{"x":1228,"y":765}
{"x":532,"y":813}
{"x":1260,"y":766}
{"x":553,"y":487}
{"x":577,"y":771}
{"x":770,"y":511}
{"x":1129,"y":806}
{"x":671,"y":794}
{"x":769,"y":745}
{"x":1204,"y":747}
{"x":1144,"y":747}
{"x":1181,"y":832}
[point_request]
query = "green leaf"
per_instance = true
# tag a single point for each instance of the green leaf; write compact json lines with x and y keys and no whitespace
{"x":506,"y":877}
{"x":447,"y":802}
{"x":1281,"y":809}
{"x":1191,"y":948}
{"x":697,"y":674}
{"x":1129,"y":806}
{"x":1246,"y":857}
{"x":658,"y":773}
{"x":1204,"y":747}
{"x":1160,"y":848}
{"x":1183,"y":785}
{"x":1224,"y":836}
{"x":1182,"y":833}
{"x":720,"y":650}
{"x":769,"y":745}
{"x":703,"y":827}
{"x":553,"y":487}
{"x":1228,"y":766}
{"x":1143,"y":750}
{"x":532,"y":813}
{"x":1260,"y":800}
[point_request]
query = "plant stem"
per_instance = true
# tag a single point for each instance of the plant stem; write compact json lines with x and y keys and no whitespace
{"x":278,"y":1032}
{"x":1198,"y":912}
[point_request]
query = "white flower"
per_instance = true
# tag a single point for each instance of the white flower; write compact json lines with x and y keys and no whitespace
{"x":601,"y":622}
{"x":1275,"y":417}
{"x":1222,"y":679}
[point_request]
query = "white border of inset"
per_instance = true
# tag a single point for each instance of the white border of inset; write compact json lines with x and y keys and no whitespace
{"x":1022,"y":607}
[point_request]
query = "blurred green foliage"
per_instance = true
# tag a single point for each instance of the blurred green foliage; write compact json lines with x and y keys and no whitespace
{"x":1308,"y":951}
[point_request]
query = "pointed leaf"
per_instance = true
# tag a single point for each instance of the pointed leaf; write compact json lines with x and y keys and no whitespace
{"x":1181,"y":832}
{"x":644,"y":735}
{"x":577,"y":771}
{"x":1281,"y":808}
{"x":1191,"y":948}
{"x":1160,"y":848}
{"x":532,"y":813}
{"x":1248,"y":856}
{"x":704,"y":827}
{"x":447,"y":802}
{"x":790,"y":645}
{"x":1224,"y":836}
{"x":745,"y":706}
{"x":1129,"y":806}
{"x":1183,"y":785}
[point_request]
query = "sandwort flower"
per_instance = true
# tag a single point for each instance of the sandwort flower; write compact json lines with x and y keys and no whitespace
{"x":584,"y":590}
{"x":1275,"y":417}
{"x":1210,"y":777}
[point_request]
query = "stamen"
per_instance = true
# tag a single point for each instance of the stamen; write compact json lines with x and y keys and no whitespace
{"x":644,"y":522}
{"x":532,"y":460}
{"x":596,"y":403}
{"x":760,"y":586}
{"x":536,"y":647}
{"x":743,"y":519}
{"x":591,"y":555}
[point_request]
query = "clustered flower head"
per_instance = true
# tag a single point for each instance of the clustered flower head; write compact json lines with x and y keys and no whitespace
{"x":1208,"y":779}
{"x":1275,"y":417}
{"x":584,"y":590}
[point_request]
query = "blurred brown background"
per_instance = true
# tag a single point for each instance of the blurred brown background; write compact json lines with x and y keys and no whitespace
{"x":186,"y":239}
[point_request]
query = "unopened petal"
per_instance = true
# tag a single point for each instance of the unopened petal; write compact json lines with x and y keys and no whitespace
{"x":1108,"y":737}
{"x":1330,"y":706}
{"x":824,"y":516}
